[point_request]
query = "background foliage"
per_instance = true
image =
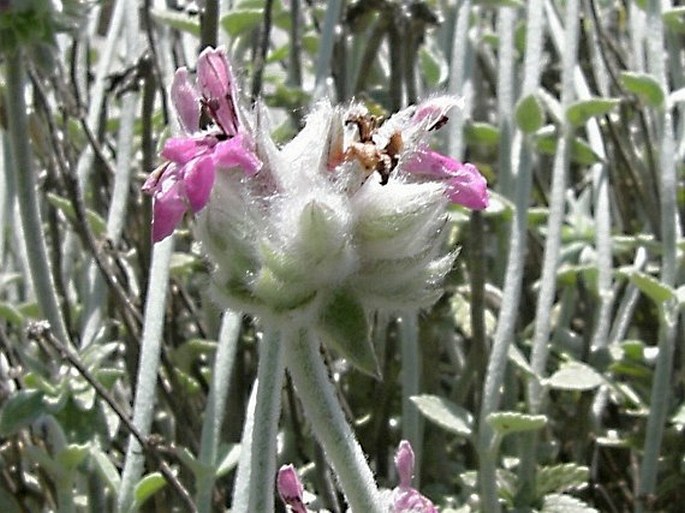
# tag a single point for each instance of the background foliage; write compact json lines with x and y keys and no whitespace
{"x":552,"y":369}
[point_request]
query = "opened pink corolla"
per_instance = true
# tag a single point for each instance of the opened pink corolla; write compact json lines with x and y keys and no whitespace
{"x":184,"y":182}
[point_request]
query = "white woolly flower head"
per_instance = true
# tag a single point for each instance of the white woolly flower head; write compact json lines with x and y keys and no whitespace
{"x":345,"y":219}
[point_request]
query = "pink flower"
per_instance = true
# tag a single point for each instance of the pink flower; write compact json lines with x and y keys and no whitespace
{"x":465,"y":185}
{"x":184,"y":182}
{"x":405,"y":498}
{"x":290,"y":489}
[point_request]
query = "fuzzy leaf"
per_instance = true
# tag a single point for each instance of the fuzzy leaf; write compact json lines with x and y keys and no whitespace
{"x":561,"y":478}
{"x":95,"y":221}
{"x":482,"y":133}
{"x":344,"y":326}
{"x":575,"y":376}
{"x":652,"y":288}
{"x":561,"y":503}
{"x":20,"y":410}
{"x":645,"y":86}
{"x":529,"y":114}
{"x":546,"y":141}
{"x":581,"y":111}
{"x":505,"y":422}
{"x":241,"y":20}
{"x":433,"y":65}
{"x":11,"y":314}
{"x":674,"y":19}
{"x":72,"y":455}
{"x":147,"y":487}
{"x":445,"y":413}
{"x":106,"y":469}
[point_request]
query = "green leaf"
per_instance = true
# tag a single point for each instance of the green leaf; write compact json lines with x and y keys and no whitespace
{"x":11,"y":314}
{"x":147,"y":487}
{"x":561,"y":503}
{"x":575,"y":376}
{"x":645,"y":86}
{"x":482,"y":133}
{"x":529,"y":114}
{"x":241,"y":20}
{"x":72,"y":456}
{"x":674,"y":19}
{"x":652,"y":288}
{"x":445,"y":413}
{"x":177,"y":20}
{"x":546,"y":141}
{"x":344,"y":326}
{"x":20,"y":410}
{"x":433,"y":66}
{"x":519,"y":360}
{"x":581,"y":111}
{"x":505,"y":422}
{"x":97,"y":224}
{"x":106,"y":469}
{"x":561,"y":478}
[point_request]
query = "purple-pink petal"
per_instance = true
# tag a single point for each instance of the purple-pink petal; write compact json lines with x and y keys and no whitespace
{"x":407,"y":499}
{"x":186,"y":101}
{"x":167,"y":213}
{"x":198,"y":179}
{"x":433,"y":110}
{"x":290,"y":489}
{"x":215,"y":80}
{"x":404,"y":462}
{"x":465,"y":185}
{"x":236,"y":152}
{"x":183,"y":149}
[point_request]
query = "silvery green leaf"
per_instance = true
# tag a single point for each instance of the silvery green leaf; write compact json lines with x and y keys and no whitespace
{"x":505,"y":422}
{"x":344,"y":327}
{"x":445,"y":413}
{"x":562,"y":503}
{"x":575,"y":376}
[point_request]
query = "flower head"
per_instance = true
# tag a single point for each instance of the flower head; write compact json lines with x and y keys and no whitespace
{"x":405,"y":498}
{"x":348,"y":217}
{"x":184,"y":181}
{"x":345,"y":219}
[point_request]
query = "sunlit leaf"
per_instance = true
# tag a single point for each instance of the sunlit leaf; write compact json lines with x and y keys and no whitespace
{"x":575,"y":376}
{"x":529,"y":114}
{"x":445,"y":413}
{"x":651,"y":287}
{"x":505,"y":422}
{"x":645,"y":86}
{"x":147,"y":487}
{"x":581,"y":111}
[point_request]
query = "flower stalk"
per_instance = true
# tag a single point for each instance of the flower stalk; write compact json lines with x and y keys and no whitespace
{"x":25,"y":183}
{"x":323,"y":410}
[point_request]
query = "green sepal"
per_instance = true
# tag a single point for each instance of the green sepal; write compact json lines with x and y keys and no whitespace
{"x":343,"y":325}
{"x":319,"y":235}
{"x":280,"y":295}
